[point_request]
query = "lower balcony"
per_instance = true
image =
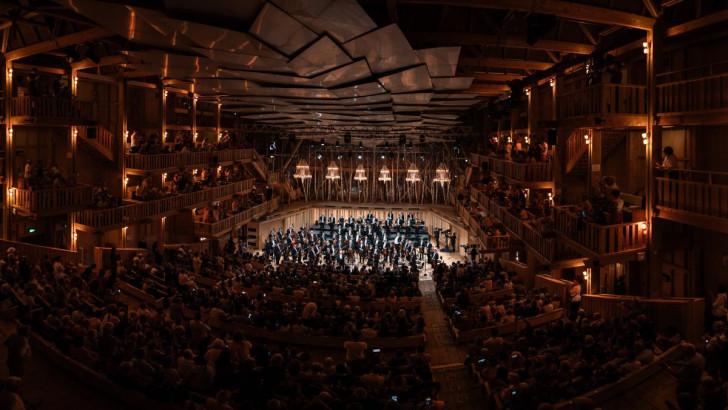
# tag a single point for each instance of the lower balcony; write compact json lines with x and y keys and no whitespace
{"x":596,"y":240}
{"x":50,"y":110}
{"x":50,"y":201}
{"x":695,"y":198}
{"x":138,"y":210}
{"x":226,"y":225}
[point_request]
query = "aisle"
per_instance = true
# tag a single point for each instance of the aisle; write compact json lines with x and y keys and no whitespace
{"x":458,"y":388}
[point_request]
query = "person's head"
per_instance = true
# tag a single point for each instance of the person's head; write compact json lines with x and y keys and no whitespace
{"x":615,"y":194}
{"x":668,"y":151}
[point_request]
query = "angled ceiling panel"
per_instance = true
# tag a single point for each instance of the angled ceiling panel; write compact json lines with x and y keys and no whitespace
{"x":386,"y":49}
{"x":412,"y":98}
{"x":440,"y":61}
{"x":346,"y":74}
{"x":321,"y":56}
{"x":343,"y":19}
{"x":452,"y":83}
{"x":360,"y":90}
{"x":412,"y":79}
{"x":280,"y":30}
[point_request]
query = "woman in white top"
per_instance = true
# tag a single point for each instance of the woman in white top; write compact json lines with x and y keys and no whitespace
{"x":669,"y":159}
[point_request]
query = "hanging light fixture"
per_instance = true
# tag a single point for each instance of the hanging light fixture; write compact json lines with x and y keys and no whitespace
{"x":413,"y":174}
{"x":384,"y":174}
{"x":303,"y":171}
{"x":332,"y":171}
{"x":360,"y":174}
{"x":442,"y":174}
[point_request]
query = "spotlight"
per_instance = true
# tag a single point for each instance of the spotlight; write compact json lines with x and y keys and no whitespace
{"x":361,"y":145}
{"x":323,"y":143}
{"x":382,"y":156}
{"x":358,"y":156}
{"x":319,"y":156}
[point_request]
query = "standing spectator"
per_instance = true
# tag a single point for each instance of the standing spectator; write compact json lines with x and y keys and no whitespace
{"x":19,"y":351}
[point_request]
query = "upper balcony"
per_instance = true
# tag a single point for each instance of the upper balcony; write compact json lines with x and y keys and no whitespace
{"x":599,"y":241}
{"x":535,"y":175}
{"x":51,"y":201}
{"x":168,"y":162}
{"x":697,"y":96}
{"x":137,"y":210}
{"x":698,"y":198}
{"x":50,"y":110}
{"x":603,"y":105}
{"x":224,"y":226}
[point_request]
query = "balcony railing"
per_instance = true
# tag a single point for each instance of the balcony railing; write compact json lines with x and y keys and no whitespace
{"x":600,"y":239}
{"x":51,"y":108}
{"x":700,"y":192}
{"x":149,"y":162}
{"x":237,"y":220}
{"x":111,"y":217}
{"x":489,"y":242}
{"x":51,"y":200}
{"x":696,"y":94}
{"x":37,"y":253}
{"x":535,"y":239}
{"x":603,"y":99}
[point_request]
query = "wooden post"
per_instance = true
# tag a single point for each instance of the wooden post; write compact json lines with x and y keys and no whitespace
{"x":163,"y":114}
{"x":9,"y":149}
{"x":194,"y":117}
{"x":655,"y":41}
{"x":123,"y":130}
{"x":218,"y":112}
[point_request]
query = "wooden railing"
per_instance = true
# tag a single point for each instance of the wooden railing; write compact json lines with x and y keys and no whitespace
{"x":51,"y":107}
{"x":175,"y":159}
{"x":36,"y":253}
{"x":488,"y":242}
{"x":544,"y":246}
{"x":560,"y":288}
{"x":704,"y":193}
{"x":686,"y":314}
{"x":600,"y":239}
{"x":235,"y":221}
{"x":603,"y":99}
{"x":46,"y":200}
{"x":139,"y":210}
{"x":697,"y":94}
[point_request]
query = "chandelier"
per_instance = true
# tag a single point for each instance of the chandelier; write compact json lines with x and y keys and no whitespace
{"x":332,"y":171}
{"x":303,"y":171}
{"x":413,"y":174}
{"x":442,"y":174}
{"x":360,"y":174}
{"x":384,"y":174}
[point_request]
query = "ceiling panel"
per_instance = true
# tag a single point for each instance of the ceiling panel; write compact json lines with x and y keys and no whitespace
{"x":280,"y":30}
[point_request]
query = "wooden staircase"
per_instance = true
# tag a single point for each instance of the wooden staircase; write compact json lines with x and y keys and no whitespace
{"x":575,"y":155}
{"x":99,"y":139}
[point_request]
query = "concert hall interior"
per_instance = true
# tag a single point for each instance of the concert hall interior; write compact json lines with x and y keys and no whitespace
{"x":363,"y":204}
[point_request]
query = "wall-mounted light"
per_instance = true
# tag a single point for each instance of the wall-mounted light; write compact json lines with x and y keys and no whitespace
{"x":10,"y":72}
{"x":75,"y":236}
{"x":166,"y":93}
{"x":645,"y":47}
{"x":552,"y":82}
{"x":75,"y":80}
{"x":126,"y":180}
{"x":164,"y":177}
{"x":195,"y":98}
{"x":10,"y":132}
{"x":643,"y":226}
{"x":644,"y":138}
{"x":527,"y":91}
{"x":587,"y":140}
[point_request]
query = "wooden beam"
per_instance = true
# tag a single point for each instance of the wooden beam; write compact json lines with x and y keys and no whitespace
{"x":485,"y":88}
{"x":392,"y":11}
{"x":559,"y":8}
{"x":587,"y":33}
{"x":60,"y":42}
{"x":505,"y":63}
{"x":696,"y":24}
{"x":469,"y":39}
{"x":105,"y":61}
{"x":497,"y":77}
{"x":650,"y":6}
{"x":553,"y":56}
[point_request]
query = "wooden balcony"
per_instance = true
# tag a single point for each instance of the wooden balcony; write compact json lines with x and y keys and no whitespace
{"x":236,"y":221}
{"x":700,"y":100}
{"x":138,"y":210}
{"x":603,"y":105}
{"x":172,"y":161}
{"x":545,"y":247}
{"x":488,"y":243}
{"x":530,"y":174}
{"x":50,"y":110}
{"x":600,"y":241}
{"x":50,"y":201}
{"x":36,"y":253}
{"x":695,"y":198}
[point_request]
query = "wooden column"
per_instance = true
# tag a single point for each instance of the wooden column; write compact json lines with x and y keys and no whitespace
{"x":218,"y":113}
{"x":163,"y":114}
{"x":9,"y":149}
{"x":194,"y":117}
{"x":554,"y":110}
{"x":122,"y":128}
{"x":655,"y":41}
